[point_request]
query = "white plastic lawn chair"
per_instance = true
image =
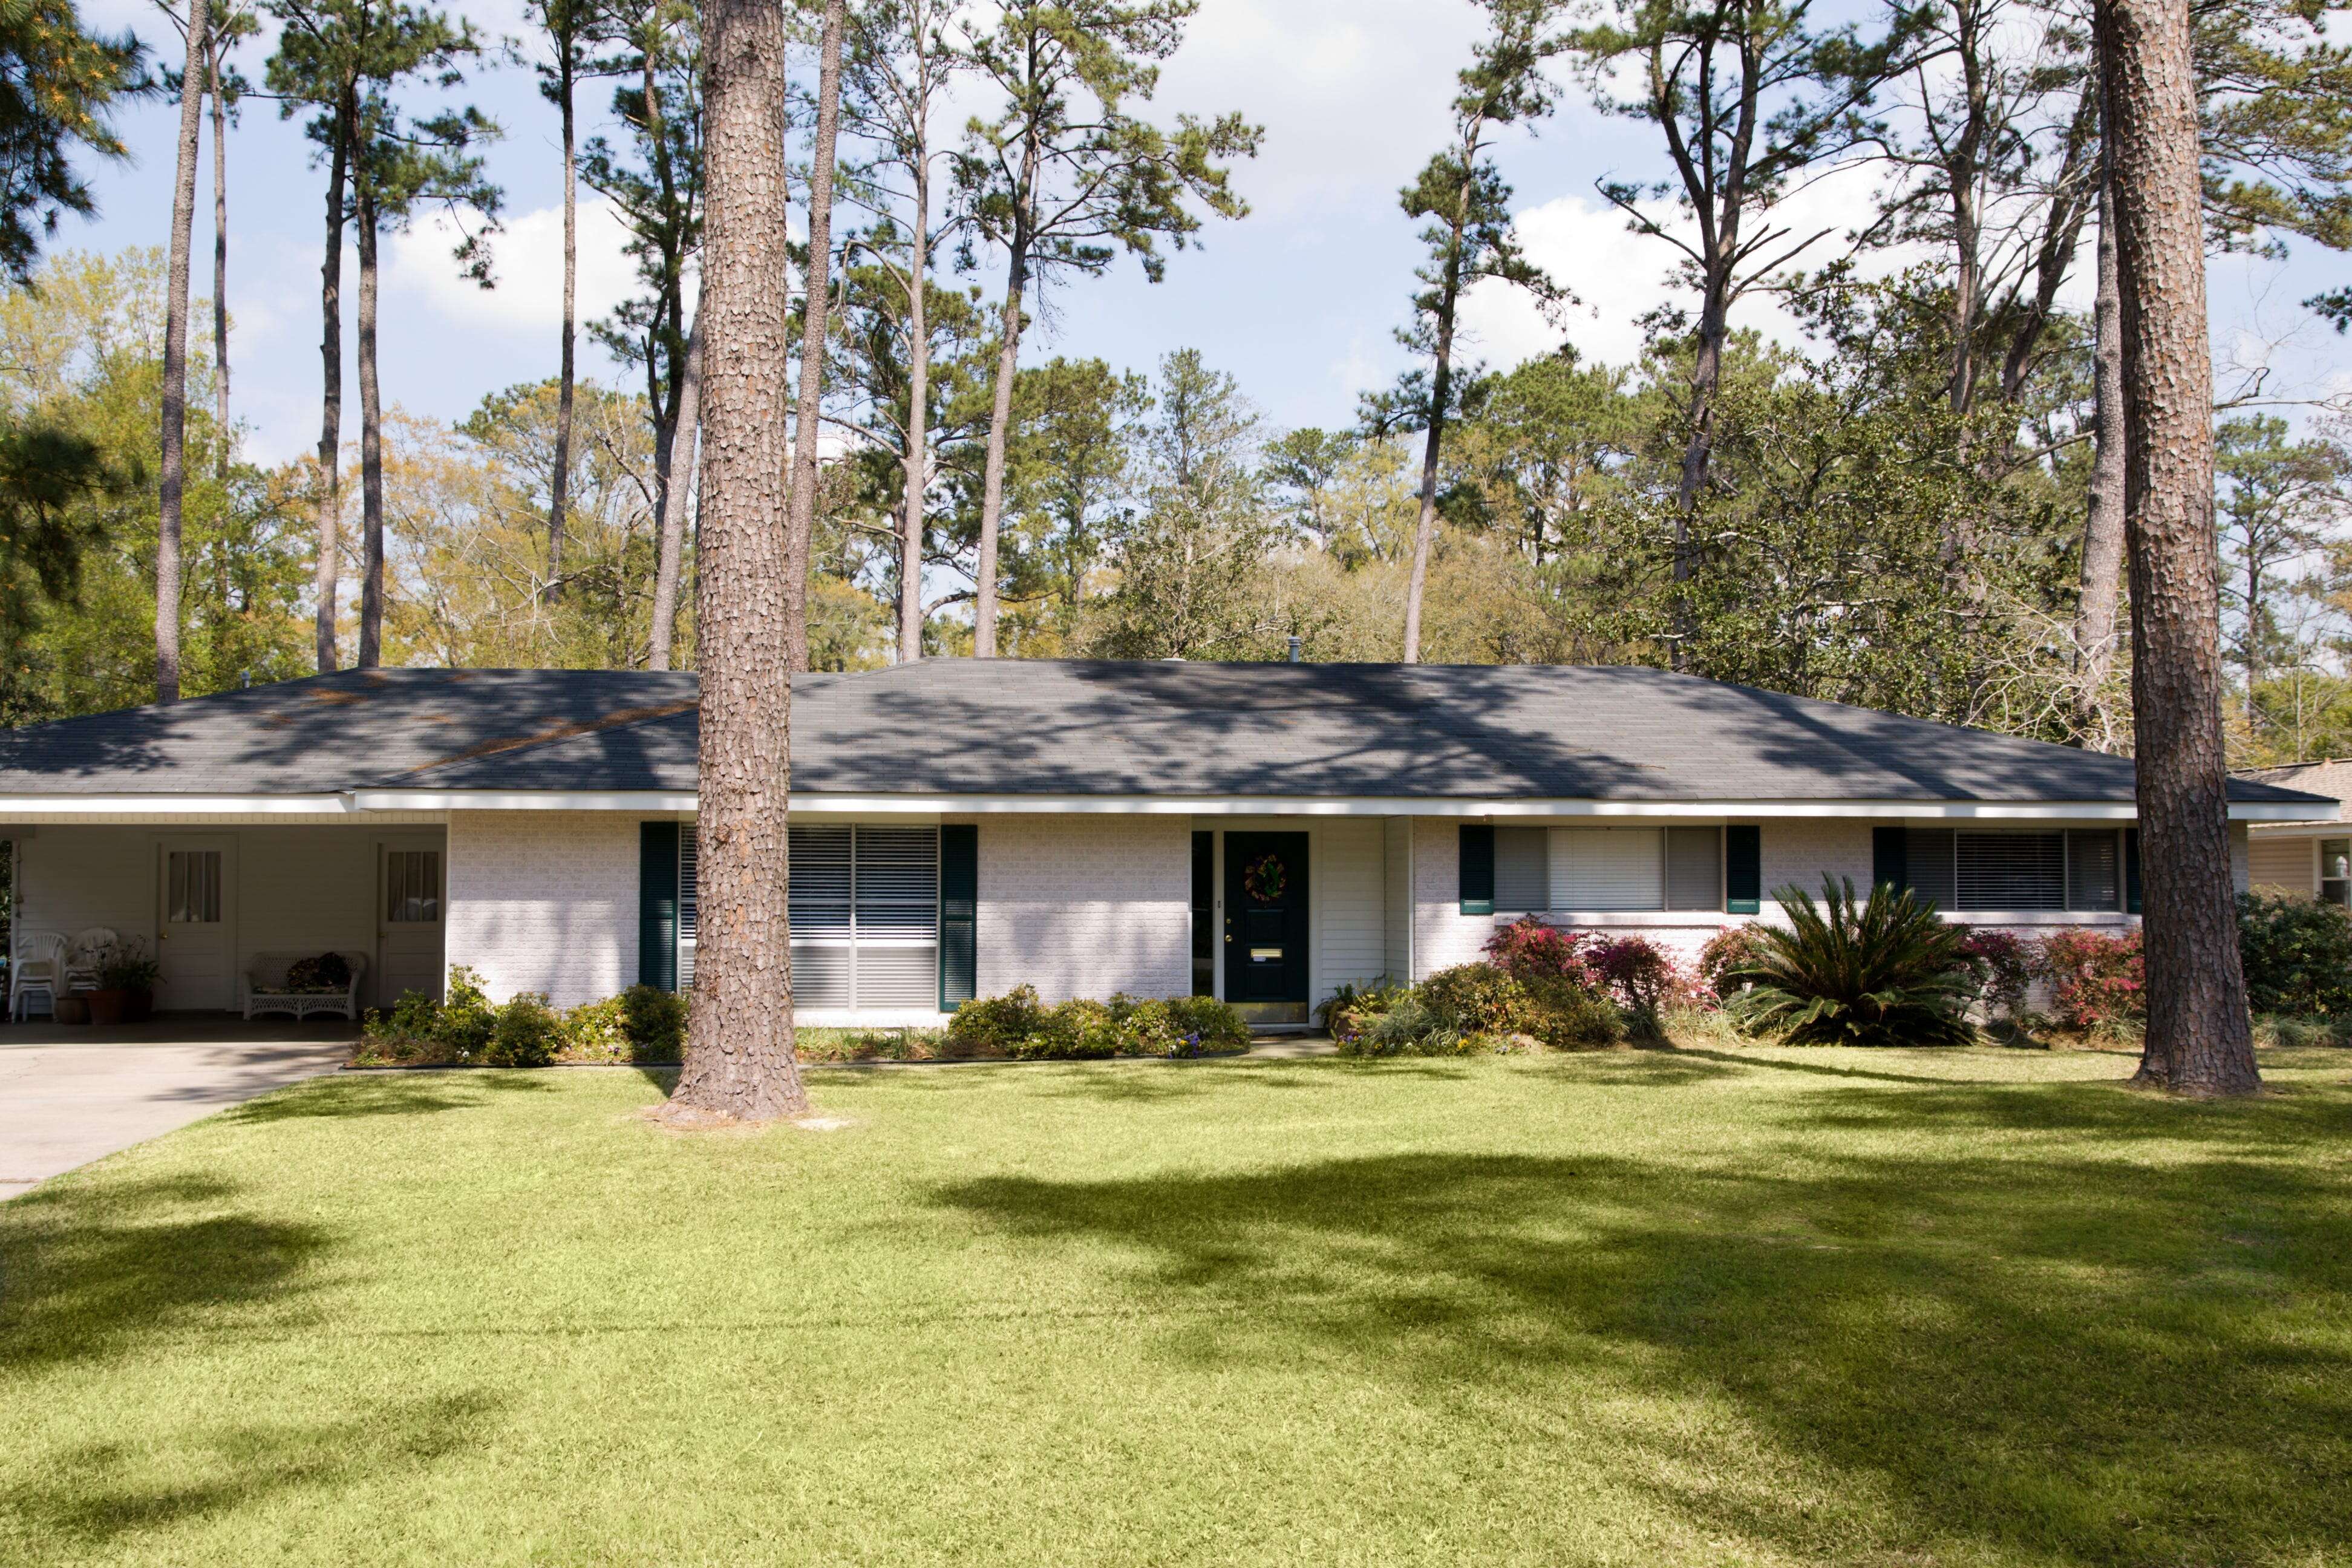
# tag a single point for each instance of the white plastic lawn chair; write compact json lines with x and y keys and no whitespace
{"x":36,"y":968}
{"x":86,"y":954}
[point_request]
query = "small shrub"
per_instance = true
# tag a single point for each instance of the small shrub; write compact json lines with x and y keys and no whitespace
{"x":1214,"y":1025}
{"x":1527,"y":948}
{"x":2298,"y":955}
{"x":467,"y":1018}
{"x":1076,"y":1030}
{"x":655,"y":1022}
{"x":1726,"y":953}
{"x":2003,"y":967}
{"x":594,"y":1032}
{"x":1411,"y":1028}
{"x":1884,"y":971}
{"x":1567,"y":1014}
{"x":1350,"y":1008}
{"x":525,"y":1034}
{"x":1476,"y":999}
{"x":996,"y":1025}
{"x":2098,"y":982}
{"x":1640,"y":974}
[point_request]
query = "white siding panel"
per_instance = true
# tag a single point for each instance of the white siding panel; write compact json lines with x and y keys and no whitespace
{"x":1348,"y":892}
{"x":1396,"y":834}
{"x":2240,"y":869}
{"x":2289,"y":863}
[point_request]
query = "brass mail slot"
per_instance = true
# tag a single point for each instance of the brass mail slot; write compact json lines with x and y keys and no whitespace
{"x":1265,"y":956}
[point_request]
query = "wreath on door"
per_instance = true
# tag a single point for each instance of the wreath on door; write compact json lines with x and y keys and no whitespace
{"x":1264,"y":879}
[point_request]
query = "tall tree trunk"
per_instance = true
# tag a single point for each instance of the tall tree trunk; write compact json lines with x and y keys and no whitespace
{"x":371,"y":448}
{"x":174,"y":436}
{"x":1698,"y":450}
{"x":331,"y":401}
{"x":918,"y":398}
{"x":683,"y":430}
{"x":1440,"y":393}
{"x":558,"y":490}
{"x":2103,"y":521}
{"x":738,"y":1047}
{"x":818,"y":280}
{"x":2198,"y":1035}
{"x":220,"y":261}
{"x":1000,"y":417}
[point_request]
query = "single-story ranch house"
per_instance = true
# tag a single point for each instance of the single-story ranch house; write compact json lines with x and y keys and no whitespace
{"x":1264,"y":832}
{"x":2313,"y":858}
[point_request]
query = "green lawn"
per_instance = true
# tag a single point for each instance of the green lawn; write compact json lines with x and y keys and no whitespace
{"x":1897,"y":1308}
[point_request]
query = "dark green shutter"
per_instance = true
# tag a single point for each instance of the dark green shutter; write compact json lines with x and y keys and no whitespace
{"x":959,"y":915}
{"x":657,"y":904}
{"x":1743,"y":868}
{"x":1477,"y":869}
{"x":2131,"y":871}
{"x":1890,"y":857}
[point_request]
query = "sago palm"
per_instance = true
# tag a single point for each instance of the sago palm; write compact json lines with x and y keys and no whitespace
{"x":1881,"y":972}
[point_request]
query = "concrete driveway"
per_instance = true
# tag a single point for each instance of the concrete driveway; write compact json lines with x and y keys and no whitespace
{"x":69,"y":1096}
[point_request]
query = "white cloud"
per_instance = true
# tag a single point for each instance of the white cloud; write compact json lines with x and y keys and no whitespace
{"x":529,"y":299}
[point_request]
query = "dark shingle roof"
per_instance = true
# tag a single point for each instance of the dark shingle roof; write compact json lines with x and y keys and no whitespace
{"x":1038,"y":727}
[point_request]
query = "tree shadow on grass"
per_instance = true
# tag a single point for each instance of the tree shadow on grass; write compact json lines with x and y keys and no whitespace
{"x":88,"y":1273}
{"x":385,"y":1094}
{"x":94,"y":1495}
{"x":2071,"y":1358}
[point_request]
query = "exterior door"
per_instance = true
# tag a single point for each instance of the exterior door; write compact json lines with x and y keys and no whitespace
{"x":195,"y":924}
{"x":408,"y":920}
{"x":1267,"y":926}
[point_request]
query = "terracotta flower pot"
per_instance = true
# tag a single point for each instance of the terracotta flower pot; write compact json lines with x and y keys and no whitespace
{"x":72,"y":1010}
{"x":107,"y":1006}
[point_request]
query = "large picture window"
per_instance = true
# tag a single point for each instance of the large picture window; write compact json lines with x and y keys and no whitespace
{"x":865,"y":911}
{"x":1968,"y":871}
{"x":1608,"y":870}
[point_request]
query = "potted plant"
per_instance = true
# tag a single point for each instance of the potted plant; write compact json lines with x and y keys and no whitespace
{"x":126,"y":986}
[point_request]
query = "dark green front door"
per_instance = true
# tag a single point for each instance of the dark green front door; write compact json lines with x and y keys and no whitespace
{"x":1265,"y":925}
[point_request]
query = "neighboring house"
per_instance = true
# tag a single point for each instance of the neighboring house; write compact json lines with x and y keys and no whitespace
{"x":1265,"y":832}
{"x":2314,"y":858}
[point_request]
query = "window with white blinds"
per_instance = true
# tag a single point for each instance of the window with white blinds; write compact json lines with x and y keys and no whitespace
{"x":865,"y":916}
{"x":865,"y":906}
{"x":1607,"y":868}
{"x":2021,"y":872}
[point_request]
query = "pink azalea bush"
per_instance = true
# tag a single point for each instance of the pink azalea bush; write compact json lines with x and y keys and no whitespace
{"x":2096,"y":981}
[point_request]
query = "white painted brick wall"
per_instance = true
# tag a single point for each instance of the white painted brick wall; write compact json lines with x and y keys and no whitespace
{"x":545,"y":900}
{"x":1085,"y":906}
{"x":1802,"y":850}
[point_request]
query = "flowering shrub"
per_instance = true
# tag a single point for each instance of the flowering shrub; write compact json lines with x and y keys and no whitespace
{"x":2096,"y":981}
{"x":1638,"y":973}
{"x":1732,"y":949}
{"x":1527,"y":947}
{"x":2003,"y":967}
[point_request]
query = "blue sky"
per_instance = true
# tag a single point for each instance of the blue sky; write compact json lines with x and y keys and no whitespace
{"x":1298,"y":300}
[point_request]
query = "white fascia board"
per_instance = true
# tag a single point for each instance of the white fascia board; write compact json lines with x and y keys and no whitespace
{"x":106,"y":807}
{"x":659,"y":802}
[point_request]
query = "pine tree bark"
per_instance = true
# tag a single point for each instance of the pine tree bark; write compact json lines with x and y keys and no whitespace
{"x":371,"y":447}
{"x":684,"y":435}
{"x":818,"y":280}
{"x":331,"y":401}
{"x":226,"y":443}
{"x":1441,"y":394}
{"x":739,"y":1060}
{"x":918,"y":430}
{"x":171,"y":509}
{"x":560,"y":484}
{"x":2200,"y":1040}
{"x":2103,"y":521}
{"x":1000,"y":417}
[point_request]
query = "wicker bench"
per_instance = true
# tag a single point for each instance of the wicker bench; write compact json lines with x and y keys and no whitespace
{"x":264,"y":987}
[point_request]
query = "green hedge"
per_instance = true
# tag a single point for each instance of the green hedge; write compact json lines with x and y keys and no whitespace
{"x":1020,"y":1026}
